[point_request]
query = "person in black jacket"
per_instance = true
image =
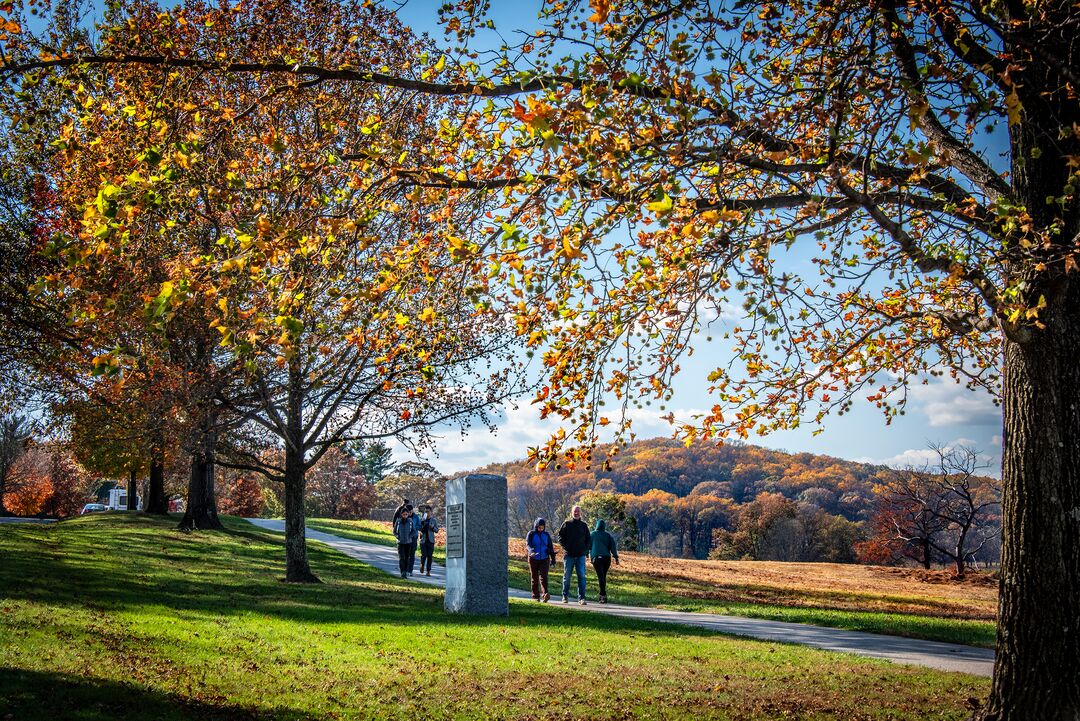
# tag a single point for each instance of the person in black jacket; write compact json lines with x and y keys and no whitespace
{"x":576,"y":540}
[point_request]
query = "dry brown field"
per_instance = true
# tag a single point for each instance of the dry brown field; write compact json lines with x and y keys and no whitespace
{"x":839,"y":586}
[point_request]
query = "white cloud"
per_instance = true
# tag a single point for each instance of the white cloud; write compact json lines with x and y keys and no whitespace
{"x":521,"y":427}
{"x":919,"y":458}
{"x":946,"y":403}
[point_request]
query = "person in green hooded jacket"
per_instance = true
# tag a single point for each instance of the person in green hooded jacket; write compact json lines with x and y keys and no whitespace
{"x":603,"y":550}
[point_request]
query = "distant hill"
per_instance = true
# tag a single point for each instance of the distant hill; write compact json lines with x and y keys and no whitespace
{"x":734,"y":471}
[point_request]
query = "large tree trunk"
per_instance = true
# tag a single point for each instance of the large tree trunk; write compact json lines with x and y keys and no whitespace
{"x":926,"y":553}
{"x":156,"y":502}
{"x":201,"y":512}
{"x":1037,"y":671}
{"x":297,"y":569}
{"x":133,"y":490}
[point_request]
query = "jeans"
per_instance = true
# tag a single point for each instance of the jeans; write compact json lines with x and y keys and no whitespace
{"x":426,"y":552}
{"x":538,"y":570}
{"x":601,"y":564}
{"x":412,"y":557}
{"x":570,"y":564}
{"x":405,"y":551}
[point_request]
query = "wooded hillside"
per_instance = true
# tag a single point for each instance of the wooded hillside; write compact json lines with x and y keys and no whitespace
{"x":743,"y":501}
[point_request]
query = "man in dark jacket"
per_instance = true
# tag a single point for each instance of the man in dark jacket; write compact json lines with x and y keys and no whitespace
{"x":575,"y":539}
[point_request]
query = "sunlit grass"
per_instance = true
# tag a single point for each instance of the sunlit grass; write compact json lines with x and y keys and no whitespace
{"x":121,"y":617}
{"x":836,"y":608}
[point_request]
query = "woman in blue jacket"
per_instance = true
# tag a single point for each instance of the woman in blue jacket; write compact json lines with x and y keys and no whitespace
{"x":541,"y":556}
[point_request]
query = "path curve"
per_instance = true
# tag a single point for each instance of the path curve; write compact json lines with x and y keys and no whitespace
{"x":917,"y":652}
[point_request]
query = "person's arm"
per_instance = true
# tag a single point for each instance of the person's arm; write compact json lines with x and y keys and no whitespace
{"x":614,"y":548}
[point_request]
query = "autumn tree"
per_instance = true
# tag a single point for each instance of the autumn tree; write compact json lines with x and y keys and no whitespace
{"x":338,"y":487}
{"x":418,"y":481}
{"x":15,"y":433}
{"x":611,"y":507}
{"x":54,"y":482}
{"x":239,"y":494}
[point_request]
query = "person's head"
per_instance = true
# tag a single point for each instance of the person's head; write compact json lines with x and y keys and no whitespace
{"x":600,"y":525}
{"x":406,"y":502}
{"x":540,"y":524}
{"x":406,"y":511}
{"x":575,"y":513}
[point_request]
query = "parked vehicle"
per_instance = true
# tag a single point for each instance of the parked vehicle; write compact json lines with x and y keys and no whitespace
{"x":118,"y":500}
{"x":93,"y":508}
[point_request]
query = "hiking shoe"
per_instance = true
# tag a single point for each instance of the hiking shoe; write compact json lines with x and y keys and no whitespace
{"x":565,"y":599}
{"x":403,"y":575}
{"x":581,"y":601}
{"x":546,"y":598}
{"x":428,"y":572}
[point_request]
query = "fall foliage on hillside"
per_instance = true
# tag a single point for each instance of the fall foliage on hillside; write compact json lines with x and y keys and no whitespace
{"x":743,"y":501}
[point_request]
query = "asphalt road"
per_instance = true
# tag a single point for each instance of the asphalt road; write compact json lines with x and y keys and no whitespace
{"x":931,"y":654}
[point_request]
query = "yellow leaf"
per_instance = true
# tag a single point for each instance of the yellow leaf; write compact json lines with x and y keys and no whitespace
{"x":601,"y":10}
{"x":664,"y":205}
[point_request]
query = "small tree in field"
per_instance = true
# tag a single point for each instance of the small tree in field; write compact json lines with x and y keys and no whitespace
{"x":946,"y":512}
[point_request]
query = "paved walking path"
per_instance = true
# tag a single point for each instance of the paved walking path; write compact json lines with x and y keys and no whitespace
{"x":932,"y":654}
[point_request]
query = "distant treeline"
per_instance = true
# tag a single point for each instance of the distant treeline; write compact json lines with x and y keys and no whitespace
{"x":743,"y":501}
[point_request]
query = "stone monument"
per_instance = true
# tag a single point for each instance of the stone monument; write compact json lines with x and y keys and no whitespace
{"x":476,"y":532}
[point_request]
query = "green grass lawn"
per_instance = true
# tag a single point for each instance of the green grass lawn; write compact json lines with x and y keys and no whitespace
{"x":121,"y":617}
{"x":641,"y":590}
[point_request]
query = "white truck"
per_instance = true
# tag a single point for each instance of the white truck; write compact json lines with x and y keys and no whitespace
{"x":118,"y":500}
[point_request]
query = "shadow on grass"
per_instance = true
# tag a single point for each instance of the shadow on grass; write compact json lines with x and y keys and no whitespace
{"x":132,"y":562}
{"x":34,"y":695}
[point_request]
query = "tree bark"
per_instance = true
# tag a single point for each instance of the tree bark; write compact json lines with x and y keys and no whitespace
{"x":297,"y":569}
{"x":1037,"y":670}
{"x":156,"y":501}
{"x":133,"y":490}
{"x":201,"y":512}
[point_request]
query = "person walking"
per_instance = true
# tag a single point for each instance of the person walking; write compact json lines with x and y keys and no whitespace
{"x":602,"y":551}
{"x":405,"y":503}
{"x":429,"y":526}
{"x":574,"y":537}
{"x":414,"y":518}
{"x":541,"y":556}
{"x":405,"y":532}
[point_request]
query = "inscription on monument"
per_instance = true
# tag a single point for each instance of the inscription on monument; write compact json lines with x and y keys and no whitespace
{"x":455,"y":531}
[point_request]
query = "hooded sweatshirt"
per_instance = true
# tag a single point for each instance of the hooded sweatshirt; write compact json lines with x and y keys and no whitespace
{"x":603,"y":543}
{"x":539,"y":542}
